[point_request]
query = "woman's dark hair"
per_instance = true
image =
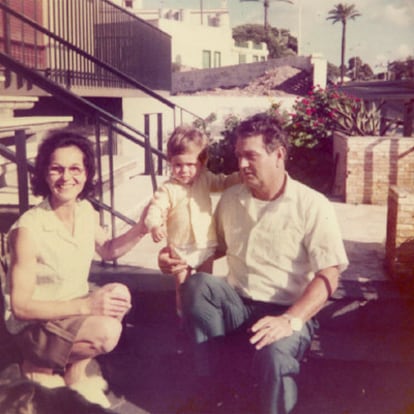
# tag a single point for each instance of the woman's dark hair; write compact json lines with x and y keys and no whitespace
{"x":268,"y":126}
{"x":61,"y":139}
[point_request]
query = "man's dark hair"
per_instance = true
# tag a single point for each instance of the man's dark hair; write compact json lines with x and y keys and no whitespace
{"x":268,"y":126}
{"x":62,"y":139}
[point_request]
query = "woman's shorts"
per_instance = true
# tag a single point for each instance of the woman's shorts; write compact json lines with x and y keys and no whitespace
{"x":48,"y":344}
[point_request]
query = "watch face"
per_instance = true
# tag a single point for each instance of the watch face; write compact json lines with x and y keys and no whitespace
{"x":296,"y":324}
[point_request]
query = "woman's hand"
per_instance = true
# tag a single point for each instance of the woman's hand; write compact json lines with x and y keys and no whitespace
{"x":110,"y":300}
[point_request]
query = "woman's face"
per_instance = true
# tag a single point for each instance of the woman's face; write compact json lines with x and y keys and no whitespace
{"x":66,"y":175}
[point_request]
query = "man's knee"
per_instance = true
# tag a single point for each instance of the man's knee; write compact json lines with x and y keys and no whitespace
{"x":276,"y":361}
{"x":197,"y":289}
{"x":196,"y":281}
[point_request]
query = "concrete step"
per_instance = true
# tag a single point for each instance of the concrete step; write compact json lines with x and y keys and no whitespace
{"x":362,"y":387}
{"x":32,"y":124}
{"x":9,"y":104}
{"x":8,"y":175}
{"x":125,"y":167}
{"x":369,"y":345}
{"x":132,"y":193}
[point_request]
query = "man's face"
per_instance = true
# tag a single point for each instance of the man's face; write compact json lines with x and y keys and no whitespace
{"x":259,"y":170}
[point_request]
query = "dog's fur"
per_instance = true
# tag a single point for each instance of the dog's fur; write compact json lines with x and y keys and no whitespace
{"x":22,"y":396}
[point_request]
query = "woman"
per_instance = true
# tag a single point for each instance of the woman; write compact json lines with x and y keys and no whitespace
{"x":58,"y":324}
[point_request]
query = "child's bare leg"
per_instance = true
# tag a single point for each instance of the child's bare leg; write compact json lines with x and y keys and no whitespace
{"x":180,"y":278}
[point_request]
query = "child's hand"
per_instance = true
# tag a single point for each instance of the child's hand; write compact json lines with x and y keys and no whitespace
{"x":158,"y":234}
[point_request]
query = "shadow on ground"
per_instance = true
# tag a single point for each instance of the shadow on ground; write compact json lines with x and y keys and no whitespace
{"x":361,"y":363}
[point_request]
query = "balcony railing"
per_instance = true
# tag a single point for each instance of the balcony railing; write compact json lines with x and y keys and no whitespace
{"x":99,"y":28}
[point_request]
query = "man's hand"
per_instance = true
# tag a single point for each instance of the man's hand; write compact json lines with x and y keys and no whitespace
{"x":269,"y":329}
{"x":169,"y":262}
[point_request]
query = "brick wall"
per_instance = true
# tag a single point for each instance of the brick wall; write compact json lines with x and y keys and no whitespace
{"x":368,"y":166}
{"x":399,"y":246}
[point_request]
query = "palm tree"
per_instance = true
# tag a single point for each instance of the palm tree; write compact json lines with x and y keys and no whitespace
{"x":341,"y":13}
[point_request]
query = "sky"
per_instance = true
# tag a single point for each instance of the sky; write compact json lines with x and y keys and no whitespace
{"x":384,"y":32}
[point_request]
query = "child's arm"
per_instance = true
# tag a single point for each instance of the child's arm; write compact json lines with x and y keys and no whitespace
{"x":219,"y":182}
{"x":157,"y":212}
{"x":158,"y":233}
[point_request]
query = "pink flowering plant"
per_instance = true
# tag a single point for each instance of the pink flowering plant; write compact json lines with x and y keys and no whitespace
{"x":310,"y":126}
{"x":316,"y":116}
{"x":313,"y":119}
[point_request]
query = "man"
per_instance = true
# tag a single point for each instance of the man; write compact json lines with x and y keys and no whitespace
{"x":285,"y":254}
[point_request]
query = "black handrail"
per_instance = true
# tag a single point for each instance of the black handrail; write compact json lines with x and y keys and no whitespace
{"x":111,"y":69}
{"x":86,"y":108}
{"x":77,"y":103}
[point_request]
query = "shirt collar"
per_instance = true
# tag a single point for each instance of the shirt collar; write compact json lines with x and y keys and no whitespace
{"x":51,"y":222}
{"x":289,"y":192}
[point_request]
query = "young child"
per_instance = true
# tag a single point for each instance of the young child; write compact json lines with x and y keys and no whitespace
{"x":181,"y":209}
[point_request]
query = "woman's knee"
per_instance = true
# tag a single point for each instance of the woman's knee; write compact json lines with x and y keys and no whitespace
{"x":119,"y":290}
{"x":102,"y":331}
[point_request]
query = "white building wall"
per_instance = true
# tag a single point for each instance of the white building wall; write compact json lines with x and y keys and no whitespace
{"x":189,"y":40}
{"x":320,"y":70}
{"x":193,"y":33}
{"x":249,"y":53}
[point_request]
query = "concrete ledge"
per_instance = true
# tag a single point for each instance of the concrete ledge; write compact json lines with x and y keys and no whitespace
{"x":32,"y":124}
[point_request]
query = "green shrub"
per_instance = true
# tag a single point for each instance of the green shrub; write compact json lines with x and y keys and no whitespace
{"x":310,"y":127}
{"x":221,"y":157}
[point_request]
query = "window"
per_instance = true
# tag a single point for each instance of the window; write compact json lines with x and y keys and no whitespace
{"x":243,"y":43}
{"x":217,"y":59}
{"x":242,"y":58}
{"x":129,"y":3}
{"x":206,"y":59}
{"x":255,"y":58}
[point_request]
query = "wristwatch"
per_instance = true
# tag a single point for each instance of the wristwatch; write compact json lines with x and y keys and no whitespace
{"x":295,"y":323}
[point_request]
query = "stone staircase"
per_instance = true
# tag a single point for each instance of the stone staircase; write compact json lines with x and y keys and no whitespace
{"x":128,"y":170}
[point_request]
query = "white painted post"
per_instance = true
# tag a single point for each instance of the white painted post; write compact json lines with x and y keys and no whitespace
{"x":320,"y":70}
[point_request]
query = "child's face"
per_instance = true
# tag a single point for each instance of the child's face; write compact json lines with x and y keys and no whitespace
{"x":185,"y":167}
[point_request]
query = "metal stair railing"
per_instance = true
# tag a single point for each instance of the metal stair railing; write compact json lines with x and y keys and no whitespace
{"x":69,"y":65}
{"x":97,"y":117}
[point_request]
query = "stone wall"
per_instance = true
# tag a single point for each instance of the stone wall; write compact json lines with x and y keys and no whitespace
{"x":368,"y":166}
{"x":399,"y":246}
{"x":232,"y":76}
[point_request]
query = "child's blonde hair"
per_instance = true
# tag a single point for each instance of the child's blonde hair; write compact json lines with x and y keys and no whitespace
{"x":185,"y":137}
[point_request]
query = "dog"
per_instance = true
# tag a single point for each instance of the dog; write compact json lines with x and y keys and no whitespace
{"x":22,"y":396}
